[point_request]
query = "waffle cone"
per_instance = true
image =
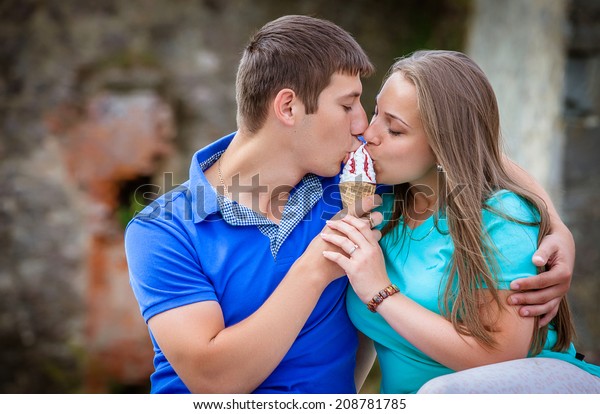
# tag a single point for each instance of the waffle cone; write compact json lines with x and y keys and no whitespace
{"x":354,"y":191}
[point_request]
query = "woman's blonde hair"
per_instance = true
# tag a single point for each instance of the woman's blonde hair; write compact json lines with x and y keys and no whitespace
{"x":460,"y":116}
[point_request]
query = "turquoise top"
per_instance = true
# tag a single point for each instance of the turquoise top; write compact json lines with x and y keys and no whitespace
{"x":416,"y":262}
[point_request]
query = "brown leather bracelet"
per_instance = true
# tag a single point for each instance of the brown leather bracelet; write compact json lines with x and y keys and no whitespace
{"x":378,"y":298}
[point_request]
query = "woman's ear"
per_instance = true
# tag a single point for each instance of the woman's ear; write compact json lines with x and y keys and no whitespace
{"x":286,"y":106}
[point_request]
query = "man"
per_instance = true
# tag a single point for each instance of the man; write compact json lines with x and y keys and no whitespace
{"x":237,"y":295}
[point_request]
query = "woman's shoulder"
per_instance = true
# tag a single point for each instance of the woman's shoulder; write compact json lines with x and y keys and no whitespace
{"x":511,"y":224}
{"x":508,"y":205}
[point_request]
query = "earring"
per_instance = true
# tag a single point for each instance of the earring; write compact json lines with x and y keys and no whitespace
{"x":439,"y":168}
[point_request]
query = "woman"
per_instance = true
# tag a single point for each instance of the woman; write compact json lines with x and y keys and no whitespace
{"x":457,"y":230}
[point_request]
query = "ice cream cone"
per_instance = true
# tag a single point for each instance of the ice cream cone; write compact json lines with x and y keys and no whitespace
{"x":357,"y":179}
{"x":354,"y":191}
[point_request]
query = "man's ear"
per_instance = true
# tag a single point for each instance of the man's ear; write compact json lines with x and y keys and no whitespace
{"x":286,"y":106}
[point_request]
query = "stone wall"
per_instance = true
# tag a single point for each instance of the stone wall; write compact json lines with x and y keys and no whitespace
{"x":99,"y":100}
{"x":520,"y":44}
{"x":581,"y":200}
{"x":101,"y":106}
{"x":543,"y":59}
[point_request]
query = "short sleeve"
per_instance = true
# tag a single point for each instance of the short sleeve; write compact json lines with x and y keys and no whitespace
{"x":513,"y":243}
{"x":164,"y":270}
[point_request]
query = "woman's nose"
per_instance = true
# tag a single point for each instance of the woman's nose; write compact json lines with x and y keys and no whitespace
{"x":371,"y":137}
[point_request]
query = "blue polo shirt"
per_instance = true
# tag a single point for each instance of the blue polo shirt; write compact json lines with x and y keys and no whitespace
{"x":193,"y":245}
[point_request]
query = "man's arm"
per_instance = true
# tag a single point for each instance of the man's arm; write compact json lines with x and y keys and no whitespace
{"x":542,"y":293}
{"x":212,"y":358}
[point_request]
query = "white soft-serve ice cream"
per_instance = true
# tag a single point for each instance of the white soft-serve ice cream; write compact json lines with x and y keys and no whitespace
{"x":357,"y":179}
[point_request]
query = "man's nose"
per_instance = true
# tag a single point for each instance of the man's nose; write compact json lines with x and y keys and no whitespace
{"x":360,"y":122}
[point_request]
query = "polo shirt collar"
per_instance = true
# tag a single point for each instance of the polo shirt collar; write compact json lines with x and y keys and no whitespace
{"x":204,"y":198}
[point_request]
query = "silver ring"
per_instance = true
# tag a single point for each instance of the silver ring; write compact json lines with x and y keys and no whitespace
{"x":352,"y":250}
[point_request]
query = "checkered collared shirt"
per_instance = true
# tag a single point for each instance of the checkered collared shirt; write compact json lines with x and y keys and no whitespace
{"x":302,"y":199}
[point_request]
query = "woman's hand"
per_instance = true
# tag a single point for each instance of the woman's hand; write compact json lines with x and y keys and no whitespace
{"x":313,"y":261}
{"x":362,"y":258}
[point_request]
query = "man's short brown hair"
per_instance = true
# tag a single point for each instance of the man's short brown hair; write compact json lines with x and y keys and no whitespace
{"x":296,"y":52}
